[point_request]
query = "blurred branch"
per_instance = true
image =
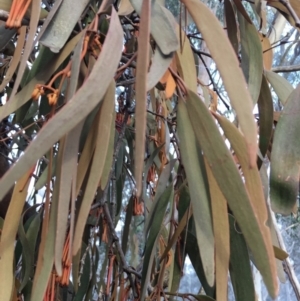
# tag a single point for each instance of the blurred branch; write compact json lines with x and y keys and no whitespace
{"x":126,"y":82}
{"x":286,"y":68}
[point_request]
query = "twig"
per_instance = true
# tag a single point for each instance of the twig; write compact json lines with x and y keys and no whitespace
{"x":284,"y":69}
{"x":116,"y":241}
{"x":199,"y":52}
{"x":129,"y":62}
{"x":113,"y":202}
{"x":127,"y":82}
{"x":211,"y":79}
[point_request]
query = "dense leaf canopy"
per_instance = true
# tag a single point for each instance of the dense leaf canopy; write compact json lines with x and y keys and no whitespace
{"x":137,"y":134}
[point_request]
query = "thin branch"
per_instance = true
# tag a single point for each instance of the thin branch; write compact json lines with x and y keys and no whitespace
{"x":286,"y":68}
{"x":211,"y":79}
{"x":199,"y":52}
{"x":127,"y":82}
{"x":113,"y":202}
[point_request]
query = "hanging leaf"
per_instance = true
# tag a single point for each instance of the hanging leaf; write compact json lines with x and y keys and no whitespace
{"x":8,"y":234}
{"x":63,"y":22}
{"x":28,"y":241}
{"x":285,"y":157}
{"x":265,"y":110}
{"x":158,"y":68}
{"x":240,"y":269}
{"x":281,"y":86}
{"x":252,"y":56}
{"x":200,"y":197}
{"x":125,"y":8}
{"x":228,"y":66}
{"x":186,"y":62}
{"x":231,"y":25}
{"x":153,"y":235}
{"x":231,"y":185}
{"x":162,"y":26}
{"x":221,"y":233}
{"x":107,"y":117}
{"x":141,"y":93}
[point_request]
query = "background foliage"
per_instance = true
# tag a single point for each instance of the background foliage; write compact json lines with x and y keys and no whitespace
{"x":139,"y":138}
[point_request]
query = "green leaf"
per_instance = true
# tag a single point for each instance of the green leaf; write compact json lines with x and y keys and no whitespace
{"x":281,"y":86}
{"x":153,"y":236}
{"x":265,"y":110}
{"x":228,"y":66}
{"x":63,"y":23}
{"x":28,"y":241}
{"x":221,"y":233}
{"x":198,"y":190}
{"x":192,"y":251}
{"x":5,"y":37}
{"x":252,"y":56}
{"x":109,"y":158}
{"x":285,"y":157}
{"x":162,"y":26}
{"x":163,"y":182}
{"x":127,"y":223}
{"x":231,"y":25}
{"x":84,"y":279}
{"x":231,"y":184}
{"x":251,"y":175}
{"x":240,"y":268}
{"x":160,"y":63}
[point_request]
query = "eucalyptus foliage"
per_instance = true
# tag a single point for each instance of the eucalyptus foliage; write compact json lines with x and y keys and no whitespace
{"x":129,"y":162}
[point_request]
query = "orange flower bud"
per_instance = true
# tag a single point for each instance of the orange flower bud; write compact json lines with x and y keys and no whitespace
{"x":53,"y":97}
{"x":37,"y":92}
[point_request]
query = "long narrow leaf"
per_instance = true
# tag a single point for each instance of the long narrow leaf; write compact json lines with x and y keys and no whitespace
{"x":199,"y":194}
{"x":228,"y":66}
{"x":228,"y":178}
{"x":8,"y":234}
{"x":141,"y":92}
